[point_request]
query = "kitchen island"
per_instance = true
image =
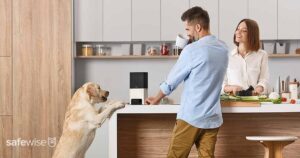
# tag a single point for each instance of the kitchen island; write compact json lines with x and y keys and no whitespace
{"x":144,"y":131}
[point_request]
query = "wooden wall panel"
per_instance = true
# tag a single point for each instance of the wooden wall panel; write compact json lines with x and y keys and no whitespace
{"x":5,"y":134}
{"x":148,"y":136}
{"x":5,"y":27}
{"x":5,"y":86}
{"x":41,"y":71}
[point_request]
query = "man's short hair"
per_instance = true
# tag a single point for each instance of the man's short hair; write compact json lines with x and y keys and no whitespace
{"x":196,"y":15}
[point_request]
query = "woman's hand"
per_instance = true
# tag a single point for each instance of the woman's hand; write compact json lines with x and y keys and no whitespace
{"x":258,"y":90}
{"x":232,"y":89}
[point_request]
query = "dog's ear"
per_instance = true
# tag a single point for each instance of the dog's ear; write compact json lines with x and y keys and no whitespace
{"x":91,"y":90}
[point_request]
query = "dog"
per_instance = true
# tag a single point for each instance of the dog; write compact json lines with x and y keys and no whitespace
{"x":82,"y":119}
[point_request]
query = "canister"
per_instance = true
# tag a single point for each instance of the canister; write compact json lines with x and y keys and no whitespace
{"x":164,"y":50}
{"x":106,"y":50}
{"x":87,"y":50}
{"x":293,"y":87}
{"x":98,"y":49}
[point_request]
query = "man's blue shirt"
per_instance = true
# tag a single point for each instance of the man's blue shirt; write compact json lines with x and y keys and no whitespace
{"x":202,"y":66}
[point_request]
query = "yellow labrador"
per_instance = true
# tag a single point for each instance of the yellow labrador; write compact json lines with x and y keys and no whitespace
{"x":82,"y":119}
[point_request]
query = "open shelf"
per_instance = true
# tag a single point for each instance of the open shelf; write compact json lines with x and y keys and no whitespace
{"x":127,"y":57}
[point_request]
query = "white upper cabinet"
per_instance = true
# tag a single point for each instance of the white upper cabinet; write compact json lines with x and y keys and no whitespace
{"x":116,"y":20}
{"x":212,"y":7}
{"x":266,"y":17}
{"x":231,"y":13}
{"x":171,"y":24}
{"x":88,"y":20}
{"x":145,"y":20}
{"x":288,"y":19}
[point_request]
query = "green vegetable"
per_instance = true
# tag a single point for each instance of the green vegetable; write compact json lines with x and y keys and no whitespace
{"x":262,"y":97}
{"x":224,"y":97}
{"x":276,"y":101}
{"x":234,"y":97}
{"x":249,"y":98}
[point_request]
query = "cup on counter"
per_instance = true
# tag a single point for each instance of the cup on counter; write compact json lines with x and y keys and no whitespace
{"x":181,"y":42}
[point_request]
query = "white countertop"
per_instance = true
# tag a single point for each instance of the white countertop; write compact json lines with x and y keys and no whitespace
{"x":165,"y":109}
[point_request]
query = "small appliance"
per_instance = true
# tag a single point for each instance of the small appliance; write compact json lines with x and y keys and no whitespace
{"x":138,"y":91}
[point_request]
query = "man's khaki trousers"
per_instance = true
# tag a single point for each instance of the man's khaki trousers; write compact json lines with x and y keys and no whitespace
{"x":185,"y":136}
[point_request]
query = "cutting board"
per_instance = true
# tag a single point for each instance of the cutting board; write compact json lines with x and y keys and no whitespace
{"x":239,"y":104}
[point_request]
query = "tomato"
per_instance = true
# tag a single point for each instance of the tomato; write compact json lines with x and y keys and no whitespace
{"x":293,"y":101}
{"x":283,"y":99}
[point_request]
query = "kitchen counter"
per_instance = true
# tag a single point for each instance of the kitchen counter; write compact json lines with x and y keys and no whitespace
{"x":164,"y":109}
{"x":147,"y":112}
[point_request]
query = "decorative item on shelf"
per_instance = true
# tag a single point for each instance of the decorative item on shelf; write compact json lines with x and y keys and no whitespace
{"x":105,"y":50}
{"x":126,"y":49}
{"x":98,"y":50}
{"x":87,"y":50}
{"x":282,"y":47}
{"x":152,"y":51}
{"x":176,"y":50}
{"x":268,"y":46}
{"x":164,"y":50}
{"x":298,"y":51}
{"x":143,"y":49}
{"x":137,"y":49}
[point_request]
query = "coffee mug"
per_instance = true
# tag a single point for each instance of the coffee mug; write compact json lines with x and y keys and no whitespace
{"x":181,"y":42}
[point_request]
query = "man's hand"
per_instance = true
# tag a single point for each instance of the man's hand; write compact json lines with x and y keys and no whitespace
{"x":155,"y":100}
{"x":152,"y":101}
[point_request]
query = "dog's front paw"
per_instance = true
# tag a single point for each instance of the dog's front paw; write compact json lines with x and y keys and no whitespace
{"x":116,"y":104}
{"x":119,"y":105}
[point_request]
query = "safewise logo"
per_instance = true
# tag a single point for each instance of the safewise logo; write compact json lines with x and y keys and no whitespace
{"x":50,"y":142}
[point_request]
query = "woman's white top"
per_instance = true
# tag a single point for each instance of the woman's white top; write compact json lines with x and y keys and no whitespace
{"x":252,"y":70}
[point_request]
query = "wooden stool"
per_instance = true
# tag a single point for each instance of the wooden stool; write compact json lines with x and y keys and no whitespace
{"x":273,"y":144}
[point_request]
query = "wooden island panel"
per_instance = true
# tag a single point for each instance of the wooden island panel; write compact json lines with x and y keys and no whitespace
{"x":148,"y":135}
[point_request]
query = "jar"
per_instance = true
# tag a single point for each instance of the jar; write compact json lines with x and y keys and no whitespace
{"x":87,"y":50}
{"x":152,"y":51}
{"x":98,"y":50}
{"x":106,"y":50}
{"x":164,"y":50}
{"x":176,"y":50}
{"x":293,"y":86}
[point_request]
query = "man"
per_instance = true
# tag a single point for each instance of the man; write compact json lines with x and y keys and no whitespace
{"x":202,"y":66}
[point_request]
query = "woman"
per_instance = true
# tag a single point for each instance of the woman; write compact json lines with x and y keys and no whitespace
{"x":248,"y":64}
